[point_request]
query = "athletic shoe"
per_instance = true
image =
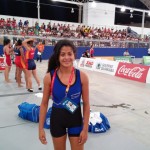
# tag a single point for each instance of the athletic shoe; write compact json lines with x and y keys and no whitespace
{"x":40,"y":88}
{"x":30,"y":90}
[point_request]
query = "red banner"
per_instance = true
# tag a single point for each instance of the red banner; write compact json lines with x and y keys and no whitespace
{"x":2,"y":65}
{"x":132,"y":71}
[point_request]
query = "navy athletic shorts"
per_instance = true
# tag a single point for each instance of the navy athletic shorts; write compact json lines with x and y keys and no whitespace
{"x":31,"y":64}
{"x":62,"y":122}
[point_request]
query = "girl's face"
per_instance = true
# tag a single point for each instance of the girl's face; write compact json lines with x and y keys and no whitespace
{"x":66,"y":56}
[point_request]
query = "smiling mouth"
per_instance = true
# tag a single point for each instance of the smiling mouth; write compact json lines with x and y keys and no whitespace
{"x":66,"y":62}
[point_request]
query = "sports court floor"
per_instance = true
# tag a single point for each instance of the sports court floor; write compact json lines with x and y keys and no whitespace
{"x":126,"y":104}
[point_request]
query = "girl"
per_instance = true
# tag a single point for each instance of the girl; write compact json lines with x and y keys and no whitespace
{"x":66,"y":85}
{"x":7,"y":49}
{"x":20,"y":62}
{"x":31,"y":66}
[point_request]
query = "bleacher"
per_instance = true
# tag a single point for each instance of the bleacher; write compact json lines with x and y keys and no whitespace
{"x":52,"y":31}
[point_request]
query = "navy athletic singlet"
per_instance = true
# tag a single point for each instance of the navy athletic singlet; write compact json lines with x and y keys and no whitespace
{"x":59,"y":89}
{"x":62,"y":119}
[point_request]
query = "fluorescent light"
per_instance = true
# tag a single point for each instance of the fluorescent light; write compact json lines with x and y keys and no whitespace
{"x":131,"y":10}
{"x":131,"y":16}
{"x":72,"y":10}
{"x":123,"y":9}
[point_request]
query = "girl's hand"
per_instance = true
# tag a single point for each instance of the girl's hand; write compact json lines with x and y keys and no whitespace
{"x":42,"y":136}
{"x":83,"y":137}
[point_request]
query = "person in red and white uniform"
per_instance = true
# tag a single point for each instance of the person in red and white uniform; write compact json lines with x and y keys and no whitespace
{"x":7,"y":49}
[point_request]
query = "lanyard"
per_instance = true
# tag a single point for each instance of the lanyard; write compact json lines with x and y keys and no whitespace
{"x":69,"y":82}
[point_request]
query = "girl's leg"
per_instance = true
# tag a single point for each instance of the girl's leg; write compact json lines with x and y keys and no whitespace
{"x":29,"y":76}
{"x":41,"y":58}
{"x":6,"y":73}
{"x":74,"y":142}
{"x":36,"y":77}
{"x":16,"y":74}
{"x":19,"y":77}
{"x":25,"y":76}
{"x":60,"y":143}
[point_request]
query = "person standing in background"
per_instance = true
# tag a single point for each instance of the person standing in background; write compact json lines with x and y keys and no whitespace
{"x":20,"y":62}
{"x":92,"y":51}
{"x":31,"y":66}
{"x":8,"y":50}
{"x":126,"y":53}
{"x":40,"y":48}
{"x":86,"y":54}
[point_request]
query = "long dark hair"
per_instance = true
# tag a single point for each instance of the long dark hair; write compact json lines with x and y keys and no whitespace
{"x":19,"y":43}
{"x":54,"y":59}
{"x":6,"y":41}
{"x":30,"y":43}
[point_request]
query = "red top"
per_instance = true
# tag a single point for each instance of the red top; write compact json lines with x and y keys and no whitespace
{"x":30,"y":54}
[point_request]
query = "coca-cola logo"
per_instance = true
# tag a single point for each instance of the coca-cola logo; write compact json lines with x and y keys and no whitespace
{"x":135,"y":72}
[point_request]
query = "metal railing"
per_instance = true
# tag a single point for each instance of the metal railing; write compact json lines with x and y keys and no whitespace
{"x":83,"y":41}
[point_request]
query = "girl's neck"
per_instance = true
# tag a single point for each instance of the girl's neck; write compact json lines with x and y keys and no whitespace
{"x":65,"y":70}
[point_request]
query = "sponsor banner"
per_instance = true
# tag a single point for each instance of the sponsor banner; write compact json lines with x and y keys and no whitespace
{"x":86,"y":63}
{"x":132,"y":71}
{"x":146,"y":60}
{"x":126,"y":59}
{"x":2,"y":65}
{"x":89,"y":63}
{"x":106,"y":66}
{"x":148,"y":77}
{"x":106,"y":58}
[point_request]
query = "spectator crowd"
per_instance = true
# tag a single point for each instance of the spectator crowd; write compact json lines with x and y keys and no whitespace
{"x":59,"y":30}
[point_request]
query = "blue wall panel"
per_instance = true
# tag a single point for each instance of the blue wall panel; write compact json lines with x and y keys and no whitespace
{"x":47,"y":52}
{"x":1,"y":49}
{"x":137,"y":52}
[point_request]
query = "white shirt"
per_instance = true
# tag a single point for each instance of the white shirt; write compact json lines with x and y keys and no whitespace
{"x":126,"y":53}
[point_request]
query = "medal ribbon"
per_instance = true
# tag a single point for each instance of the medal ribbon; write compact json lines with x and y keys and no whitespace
{"x":69,"y":82}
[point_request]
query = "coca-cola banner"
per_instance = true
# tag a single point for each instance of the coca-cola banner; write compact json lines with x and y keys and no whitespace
{"x":2,"y":65}
{"x":148,"y":77}
{"x":106,"y":66}
{"x":132,"y":71}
